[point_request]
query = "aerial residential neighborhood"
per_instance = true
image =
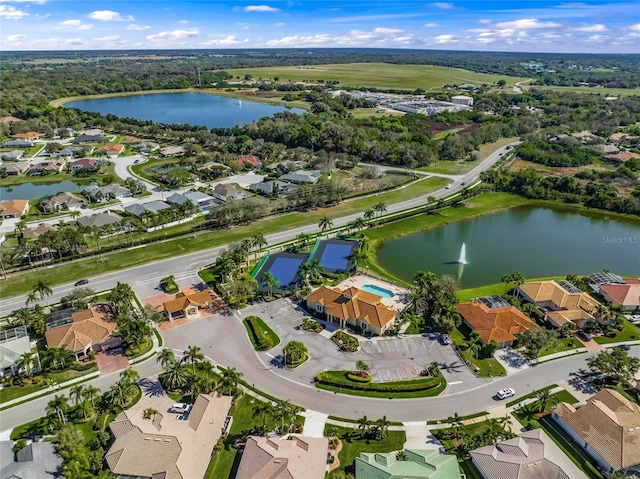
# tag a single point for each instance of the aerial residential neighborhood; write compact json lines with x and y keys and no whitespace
{"x":305,"y":240}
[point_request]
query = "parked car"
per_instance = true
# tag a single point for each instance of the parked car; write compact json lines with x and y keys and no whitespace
{"x":81,"y":282}
{"x":449,"y":186}
{"x":624,"y":347}
{"x":584,"y":336}
{"x":444,"y":339}
{"x":180,"y":408}
{"x":505,"y":393}
{"x":634,"y":318}
{"x":463,"y":183}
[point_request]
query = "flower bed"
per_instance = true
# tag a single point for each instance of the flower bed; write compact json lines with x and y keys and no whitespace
{"x":345,"y":342}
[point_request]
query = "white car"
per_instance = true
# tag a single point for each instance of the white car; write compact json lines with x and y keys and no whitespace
{"x":181,"y":408}
{"x":449,"y":186}
{"x":634,"y":318}
{"x":505,"y":393}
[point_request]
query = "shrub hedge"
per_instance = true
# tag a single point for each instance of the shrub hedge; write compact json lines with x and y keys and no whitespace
{"x":261,"y":333}
{"x":341,"y":379}
{"x":359,"y":379}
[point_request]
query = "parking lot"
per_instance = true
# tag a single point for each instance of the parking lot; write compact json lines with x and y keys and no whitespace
{"x":389,"y":358}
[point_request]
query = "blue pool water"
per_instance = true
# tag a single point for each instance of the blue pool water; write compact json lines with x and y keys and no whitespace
{"x":372,"y":288}
{"x":285,"y":270}
{"x":336,"y":256}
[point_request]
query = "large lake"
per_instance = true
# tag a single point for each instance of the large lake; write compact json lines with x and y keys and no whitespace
{"x":28,"y":191}
{"x":536,"y":241}
{"x":197,"y":109}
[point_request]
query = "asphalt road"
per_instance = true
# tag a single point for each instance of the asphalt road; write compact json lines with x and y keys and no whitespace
{"x":178,"y":265}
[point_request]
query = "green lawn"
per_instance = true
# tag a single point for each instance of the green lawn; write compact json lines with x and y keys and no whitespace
{"x":272,"y":338}
{"x":353,"y":445}
{"x":22,"y":283}
{"x":563,"y":344}
{"x":461,"y":167}
{"x":532,"y":394}
{"x":379,"y":75}
{"x":487,"y":367}
{"x":631,"y":332}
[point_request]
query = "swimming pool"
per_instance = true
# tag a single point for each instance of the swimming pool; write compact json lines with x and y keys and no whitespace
{"x":372,"y":288}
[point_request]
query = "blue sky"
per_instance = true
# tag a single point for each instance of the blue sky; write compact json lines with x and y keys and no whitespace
{"x":527,"y":26}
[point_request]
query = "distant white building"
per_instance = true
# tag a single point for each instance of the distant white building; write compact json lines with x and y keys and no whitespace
{"x":462,"y":100}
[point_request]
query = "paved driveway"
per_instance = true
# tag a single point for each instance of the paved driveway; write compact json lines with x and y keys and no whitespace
{"x":111,"y":360}
{"x":389,"y":358}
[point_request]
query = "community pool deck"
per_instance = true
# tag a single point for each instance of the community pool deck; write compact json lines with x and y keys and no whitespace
{"x":359,"y":280}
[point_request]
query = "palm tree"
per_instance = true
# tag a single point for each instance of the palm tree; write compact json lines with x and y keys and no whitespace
{"x":474,"y":340}
{"x":270,"y":281}
{"x":543,"y":396}
{"x":302,"y":239}
{"x":325,"y":223}
{"x":174,"y":376}
{"x":382,"y":426}
{"x":368,"y":214}
{"x":263,"y":409}
{"x":360,"y":257}
{"x":415,"y":301}
{"x":424,"y":280}
{"x":149,"y":413}
{"x":166,"y":357}
{"x":77,"y":393}
{"x":258,"y":240}
{"x":380,"y":208}
{"x":506,"y":279}
{"x":26,"y":361}
{"x":363,"y":424}
{"x":456,"y":423}
{"x":121,"y":297}
{"x":304,"y":272}
{"x":58,"y":406}
{"x":129,"y":376}
{"x":193,"y":355}
{"x":362,"y":366}
{"x":92,"y":393}
{"x":31,"y":298}
{"x":43,"y":289}
{"x":230,"y":379}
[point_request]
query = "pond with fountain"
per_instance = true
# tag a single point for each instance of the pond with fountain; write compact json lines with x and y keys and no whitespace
{"x":536,"y":241}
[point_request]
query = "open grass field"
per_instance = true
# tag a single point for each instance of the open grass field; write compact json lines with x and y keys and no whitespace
{"x":595,"y":91}
{"x":378,"y":75}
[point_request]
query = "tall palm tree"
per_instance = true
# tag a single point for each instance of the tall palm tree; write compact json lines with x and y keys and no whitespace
{"x":230,"y":379}
{"x":270,"y":281}
{"x":424,"y":280}
{"x":174,"y":376}
{"x":263,"y":409}
{"x":165,"y":357}
{"x":302,"y":239}
{"x":92,"y":393}
{"x":474,"y":341}
{"x":193,"y":355}
{"x":77,"y":393}
{"x":383,"y":426}
{"x":58,"y":406}
{"x":325,"y":223}
{"x":26,"y":362}
{"x":456,"y":423}
{"x":369,"y":214}
{"x":31,"y":298}
{"x":43,"y":289}
{"x":363,"y":425}
{"x":380,"y":208}
{"x":258,"y":240}
{"x":415,"y":301}
{"x":129,"y":376}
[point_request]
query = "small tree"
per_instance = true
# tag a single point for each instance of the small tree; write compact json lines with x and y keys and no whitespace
{"x":362,"y":366}
{"x":295,"y":352}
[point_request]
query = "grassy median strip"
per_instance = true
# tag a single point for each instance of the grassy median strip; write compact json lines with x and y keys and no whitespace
{"x":262,"y":337}
{"x":338,"y":382}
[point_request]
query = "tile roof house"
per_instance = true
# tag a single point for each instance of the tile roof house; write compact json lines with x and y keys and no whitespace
{"x":108,"y":192}
{"x":296,"y":457}
{"x":225,"y":191}
{"x":302,"y":176}
{"x":621,"y":157}
{"x":269,"y":188}
{"x":499,"y":324}
{"x":14,"y":155}
{"x":562,"y":303}
{"x":111,"y":150}
{"x":187,"y":305}
{"x":607,"y":427}
{"x":38,"y":460}
{"x":531,"y":455}
{"x":419,"y":464}
{"x":99,"y":220}
{"x":71,"y":151}
{"x":10,"y":119}
{"x":15,"y":169}
{"x":17,"y":143}
{"x":36,"y":231}
{"x":29,"y":136}
{"x":170,"y":446}
{"x":172,"y":151}
{"x":154,"y":207}
{"x":63,"y":201}
{"x":252,"y":160}
{"x":83,"y":164}
{"x":47,"y":168}
{"x":352,"y":306}
{"x":90,"y":329}
{"x":13,"y":208}
{"x":200,"y":200}
{"x":626,"y":295}
{"x":93,"y":135}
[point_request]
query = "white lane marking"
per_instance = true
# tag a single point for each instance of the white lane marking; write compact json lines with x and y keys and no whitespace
{"x":455,"y":382}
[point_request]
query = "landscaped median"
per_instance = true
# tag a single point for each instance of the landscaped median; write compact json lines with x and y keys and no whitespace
{"x":341,"y":382}
{"x":261,"y":336}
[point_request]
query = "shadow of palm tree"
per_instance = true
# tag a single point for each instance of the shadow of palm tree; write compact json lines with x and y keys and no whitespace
{"x":151,"y":388}
{"x":454,"y":367}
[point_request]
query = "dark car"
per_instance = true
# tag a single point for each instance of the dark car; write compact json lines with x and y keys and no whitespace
{"x":584,"y":336}
{"x":624,"y":347}
{"x":81,"y":282}
{"x":444,"y":339}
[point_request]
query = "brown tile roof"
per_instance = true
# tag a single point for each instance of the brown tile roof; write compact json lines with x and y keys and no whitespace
{"x":9,"y":119}
{"x":624,"y":156}
{"x":275,"y":458}
{"x":182,"y":301}
{"x":499,"y":324}
{"x":90,"y":326}
{"x":571,"y":306}
{"x":532,"y":455}
{"x":114,"y":149}
{"x":248,"y":159}
{"x":14,"y":207}
{"x":610,"y":424}
{"x":627,"y":294}
{"x":353,"y":303}
{"x":30,"y":135}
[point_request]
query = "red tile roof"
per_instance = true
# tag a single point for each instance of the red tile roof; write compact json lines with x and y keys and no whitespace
{"x":248,"y":159}
{"x":627,"y":294}
{"x":499,"y":324}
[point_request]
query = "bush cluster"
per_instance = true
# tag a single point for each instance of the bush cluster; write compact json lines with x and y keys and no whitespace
{"x":345,"y":342}
{"x":343,"y":380}
{"x":359,"y":376}
{"x":257,"y":330}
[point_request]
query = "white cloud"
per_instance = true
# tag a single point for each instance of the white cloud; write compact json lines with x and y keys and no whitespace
{"x":108,"y":38}
{"x":77,"y":24}
{"x":183,"y":22}
{"x":385,"y":31}
{"x":173,"y":35}
{"x":598,"y":38}
{"x":431,"y":25}
{"x":592,"y":28}
{"x":260,"y":8}
{"x":378,"y":37}
{"x":442,"y":5}
{"x":635,"y":28}
{"x":109,"y":16}
{"x":11,"y":13}
{"x":136,"y":28}
{"x":244,"y":26}
{"x":446,"y":39}
{"x":227,"y":41}
{"x":39,"y":2}
{"x":527,"y":24}
{"x":279,"y":24}
{"x":15,"y":39}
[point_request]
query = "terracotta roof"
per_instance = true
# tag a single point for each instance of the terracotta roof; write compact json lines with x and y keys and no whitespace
{"x":498,"y":324}
{"x":183,"y":301}
{"x":610,"y":424}
{"x":114,"y":149}
{"x":248,"y":159}
{"x":14,"y":207}
{"x":84,"y":163}
{"x":275,"y":458}
{"x":532,"y":455}
{"x":353,"y":303}
{"x":624,"y":156}
{"x":627,"y":294}
{"x":30,"y":135}
{"x":555,"y":297}
{"x":9,"y":119}
{"x":90,"y":326}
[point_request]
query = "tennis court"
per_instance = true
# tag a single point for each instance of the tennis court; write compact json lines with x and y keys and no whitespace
{"x":335,"y":255}
{"x":284,"y":267}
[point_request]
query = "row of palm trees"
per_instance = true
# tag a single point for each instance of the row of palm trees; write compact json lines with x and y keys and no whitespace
{"x":282,"y":411}
{"x":374,"y":429}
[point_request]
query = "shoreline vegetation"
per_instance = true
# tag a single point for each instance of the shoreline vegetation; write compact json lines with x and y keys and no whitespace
{"x":480,"y":205}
